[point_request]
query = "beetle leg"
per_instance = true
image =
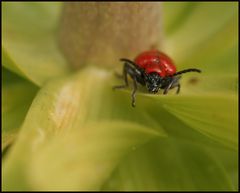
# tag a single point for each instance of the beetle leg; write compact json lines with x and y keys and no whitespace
{"x":168,"y":87}
{"x":136,"y":75}
{"x":178,"y":89}
{"x":134,"y":92}
{"x":125,"y":72}
{"x":174,"y":83}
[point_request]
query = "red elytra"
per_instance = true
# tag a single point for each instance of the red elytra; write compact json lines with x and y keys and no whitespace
{"x":156,"y":61}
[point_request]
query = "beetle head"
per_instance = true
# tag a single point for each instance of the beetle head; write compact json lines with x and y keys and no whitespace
{"x":153,"y":82}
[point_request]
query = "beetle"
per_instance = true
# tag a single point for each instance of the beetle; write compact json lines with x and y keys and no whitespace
{"x":154,"y":70}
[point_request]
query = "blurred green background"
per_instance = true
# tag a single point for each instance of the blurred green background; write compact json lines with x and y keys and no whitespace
{"x":58,"y":133}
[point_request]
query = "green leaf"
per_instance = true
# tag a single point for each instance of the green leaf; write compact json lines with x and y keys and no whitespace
{"x":29,"y":43}
{"x":202,"y":113}
{"x":72,"y":123}
{"x":205,"y":113}
{"x":171,"y":165}
{"x":17,"y":95}
{"x":81,"y":135}
{"x":208,"y":32}
{"x":175,"y":14}
{"x":64,"y":125}
{"x":90,"y":156}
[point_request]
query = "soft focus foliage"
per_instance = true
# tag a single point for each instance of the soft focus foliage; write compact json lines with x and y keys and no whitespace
{"x":72,"y":132}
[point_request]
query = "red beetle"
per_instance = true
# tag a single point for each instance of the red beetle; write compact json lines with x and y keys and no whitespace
{"x":152,"y":69}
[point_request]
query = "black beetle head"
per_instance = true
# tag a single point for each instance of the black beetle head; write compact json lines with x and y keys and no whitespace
{"x":153,"y":82}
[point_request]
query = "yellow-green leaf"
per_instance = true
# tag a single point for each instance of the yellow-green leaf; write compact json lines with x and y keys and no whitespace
{"x":17,"y":95}
{"x":66,"y":143}
{"x":29,"y":40}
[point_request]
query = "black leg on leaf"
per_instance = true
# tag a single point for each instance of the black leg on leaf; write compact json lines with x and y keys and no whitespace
{"x":178,"y":88}
{"x":168,"y":87}
{"x":134,"y":92}
{"x":137,"y":75}
{"x":125,"y":72}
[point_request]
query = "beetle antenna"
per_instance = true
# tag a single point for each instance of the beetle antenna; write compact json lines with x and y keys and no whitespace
{"x":187,"y":70}
{"x":128,"y":61}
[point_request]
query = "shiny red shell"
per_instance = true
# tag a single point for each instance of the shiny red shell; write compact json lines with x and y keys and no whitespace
{"x":156,"y":61}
